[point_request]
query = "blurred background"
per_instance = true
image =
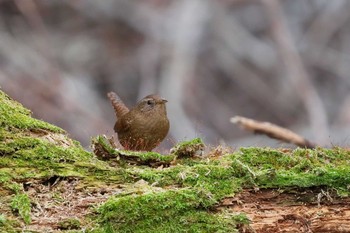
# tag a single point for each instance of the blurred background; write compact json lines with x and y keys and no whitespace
{"x":282,"y":61}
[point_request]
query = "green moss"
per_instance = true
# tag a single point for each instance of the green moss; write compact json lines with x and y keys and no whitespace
{"x":192,"y":192}
{"x":105,"y":151}
{"x":183,"y":210}
{"x":195,"y":141}
{"x":7,"y":225}
{"x":105,"y":145}
{"x":14,"y":115}
{"x":21,"y":204}
{"x":69,"y":224}
{"x":219,"y":180}
{"x":300,"y":168}
{"x":188,"y":148}
{"x":2,"y":220}
{"x":37,"y":158}
{"x":147,"y":156}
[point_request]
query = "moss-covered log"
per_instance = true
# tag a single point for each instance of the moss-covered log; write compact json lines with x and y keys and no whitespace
{"x":48,"y":182}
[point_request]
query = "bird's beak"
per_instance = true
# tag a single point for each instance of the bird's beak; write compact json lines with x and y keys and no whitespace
{"x":163,"y":101}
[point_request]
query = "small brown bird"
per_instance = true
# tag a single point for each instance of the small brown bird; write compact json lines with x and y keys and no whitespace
{"x":144,"y":126}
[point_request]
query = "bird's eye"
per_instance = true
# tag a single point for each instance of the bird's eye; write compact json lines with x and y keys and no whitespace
{"x":150,"y":102}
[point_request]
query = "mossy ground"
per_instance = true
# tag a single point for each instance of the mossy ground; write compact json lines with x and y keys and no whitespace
{"x":42,"y":170}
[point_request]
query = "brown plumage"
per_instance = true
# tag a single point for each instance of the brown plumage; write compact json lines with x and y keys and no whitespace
{"x":144,"y":126}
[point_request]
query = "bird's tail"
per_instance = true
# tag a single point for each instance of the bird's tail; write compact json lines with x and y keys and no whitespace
{"x":118,"y":105}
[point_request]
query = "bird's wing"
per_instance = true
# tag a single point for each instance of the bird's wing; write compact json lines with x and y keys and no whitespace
{"x":123,"y":124}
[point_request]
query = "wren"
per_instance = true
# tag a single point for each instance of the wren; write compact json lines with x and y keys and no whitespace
{"x":142,"y":127}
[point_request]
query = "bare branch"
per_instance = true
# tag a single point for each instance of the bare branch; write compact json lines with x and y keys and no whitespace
{"x":272,"y":131}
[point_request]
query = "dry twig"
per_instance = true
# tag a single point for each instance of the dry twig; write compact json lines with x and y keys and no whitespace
{"x":272,"y":131}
